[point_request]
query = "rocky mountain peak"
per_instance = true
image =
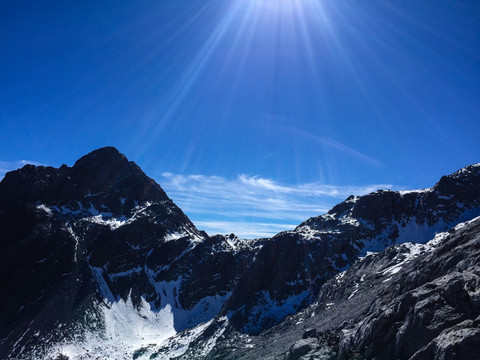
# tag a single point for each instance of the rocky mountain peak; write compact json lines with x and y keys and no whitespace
{"x":103,"y":179}
{"x":460,"y":181}
{"x":105,"y":163}
{"x":107,"y":172}
{"x":109,"y":265}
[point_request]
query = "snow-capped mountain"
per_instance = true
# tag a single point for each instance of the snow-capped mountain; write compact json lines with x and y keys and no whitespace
{"x":410,"y":301}
{"x":97,"y":261}
{"x":99,"y":249}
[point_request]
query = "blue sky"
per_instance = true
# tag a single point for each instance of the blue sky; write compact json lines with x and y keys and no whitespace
{"x":252,"y":114}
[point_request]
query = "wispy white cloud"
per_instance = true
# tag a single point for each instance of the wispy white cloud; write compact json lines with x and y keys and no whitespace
{"x":6,"y":166}
{"x":280,"y":124}
{"x":249,"y":229}
{"x":252,"y":206}
{"x":249,"y":206}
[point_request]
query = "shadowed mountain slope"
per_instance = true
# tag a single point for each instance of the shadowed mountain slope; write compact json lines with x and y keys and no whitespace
{"x":96,"y":259}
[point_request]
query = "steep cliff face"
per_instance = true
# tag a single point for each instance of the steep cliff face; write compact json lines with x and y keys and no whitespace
{"x":410,"y":301}
{"x":291,"y":267}
{"x":96,"y":259}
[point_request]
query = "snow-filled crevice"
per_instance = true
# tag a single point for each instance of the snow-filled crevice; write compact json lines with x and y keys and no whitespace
{"x":127,"y":328}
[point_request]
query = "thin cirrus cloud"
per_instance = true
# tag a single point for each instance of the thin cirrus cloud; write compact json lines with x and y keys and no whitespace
{"x":280,"y":124}
{"x":252,"y":206}
{"x":249,"y":206}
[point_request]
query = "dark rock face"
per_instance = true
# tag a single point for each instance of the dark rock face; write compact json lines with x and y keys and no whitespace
{"x":302,"y":347}
{"x":410,"y":301}
{"x":101,"y":229}
{"x":88,"y":246}
{"x":100,"y":179}
{"x":428,"y":301}
{"x":297,"y":263}
{"x":461,"y":341}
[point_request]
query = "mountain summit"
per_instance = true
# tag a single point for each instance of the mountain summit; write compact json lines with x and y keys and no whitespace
{"x":102,"y":178}
{"x":97,"y":261}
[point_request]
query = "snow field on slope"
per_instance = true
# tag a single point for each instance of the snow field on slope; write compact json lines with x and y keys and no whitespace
{"x":141,"y":330}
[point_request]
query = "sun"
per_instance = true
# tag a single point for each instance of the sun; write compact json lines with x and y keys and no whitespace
{"x":249,"y":34}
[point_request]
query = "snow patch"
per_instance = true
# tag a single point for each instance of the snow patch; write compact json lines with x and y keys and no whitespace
{"x":125,"y":273}
{"x":355,"y":290}
{"x":212,"y":340}
{"x":173,"y":236}
{"x":140,"y":330}
{"x":77,"y":241}
{"x":106,"y":219}
{"x":347,"y":220}
{"x":126,"y":330}
{"x":45,"y":209}
{"x":329,"y":305}
{"x":267,"y":308}
{"x":417,"y":191}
